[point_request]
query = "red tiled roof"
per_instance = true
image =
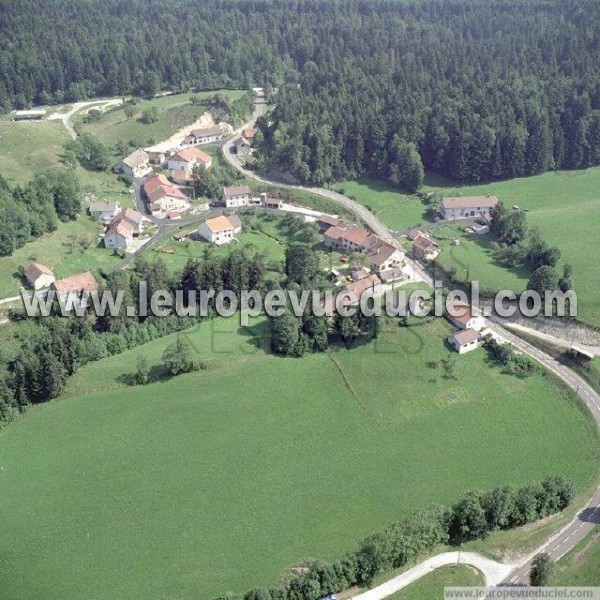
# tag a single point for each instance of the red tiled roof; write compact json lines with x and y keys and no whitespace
{"x":470,"y":202}
{"x":190,"y":154}
{"x":466,"y":336}
{"x":460,"y":312}
{"x":362,"y":285}
{"x":77,"y":283}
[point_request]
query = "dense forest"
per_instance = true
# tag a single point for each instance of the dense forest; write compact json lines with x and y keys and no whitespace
{"x":474,"y":89}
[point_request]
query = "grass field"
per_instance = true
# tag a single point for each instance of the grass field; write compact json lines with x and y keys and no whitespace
{"x":220,"y":479}
{"x":28,"y":147}
{"x":431,"y":587}
{"x":174,"y":112}
{"x":581,"y":567}
{"x":57,"y":251}
{"x":564,"y":205}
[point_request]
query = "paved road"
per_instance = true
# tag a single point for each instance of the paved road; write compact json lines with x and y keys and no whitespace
{"x":492,"y":571}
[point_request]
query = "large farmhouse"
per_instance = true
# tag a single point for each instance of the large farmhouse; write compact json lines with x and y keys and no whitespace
{"x":380,"y":254}
{"x":468,"y":207}
{"x":73,"y":291}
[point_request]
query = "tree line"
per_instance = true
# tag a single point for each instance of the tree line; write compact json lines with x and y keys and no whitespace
{"x":473,"y":516}
{"x":29,"y":211}
{"x":476,"y":90}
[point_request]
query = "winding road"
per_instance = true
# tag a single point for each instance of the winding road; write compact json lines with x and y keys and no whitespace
{"x":561,"y":542}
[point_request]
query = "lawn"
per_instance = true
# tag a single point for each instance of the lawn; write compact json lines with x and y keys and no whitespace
{"x":174,"y":112}
{"x":26,"y":147}
{"x":72,"y":248}
{"x":565,"y":205}
{"x":397,"y":210}
{"x":474,"y":260}
{"x":219,"y":480}
{"x":431,"y":587}
{"x":581,"y":566}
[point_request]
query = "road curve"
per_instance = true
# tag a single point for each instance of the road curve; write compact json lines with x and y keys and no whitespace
{"x":493,"y":572}
{"x":561,"y":542}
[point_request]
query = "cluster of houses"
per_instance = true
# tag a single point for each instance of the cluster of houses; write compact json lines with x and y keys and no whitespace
{"x":178,"y":157}
{"x":121,"y":227}
{"x":382,"y":256}
{"x":69,"y":290}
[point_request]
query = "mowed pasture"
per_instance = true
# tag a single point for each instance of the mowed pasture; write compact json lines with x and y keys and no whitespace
{"x":565,"y":205}
{"x":220,"y":479}
{"x":174,"y":112}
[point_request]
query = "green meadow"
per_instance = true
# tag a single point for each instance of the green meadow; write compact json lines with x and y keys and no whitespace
{"x":221,"y":479}
{"x":581,"y":566}
{"x":565,"y":205}
{"x":431,"y":587}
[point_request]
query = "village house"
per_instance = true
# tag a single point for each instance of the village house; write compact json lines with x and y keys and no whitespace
{"x":384,"y":256}
{"x":203,"y":136}
{"x":187,"y":159}
{"x":165,"y":198}
{"x":72,"y":291}
{"x":465,"y":340}
{"x":236,"y":196}
{"x":468,"y":207}
{"x":133,"y":217}
{"x":424,"y":248}
{"x":137,"y":164}
{"x":119,"y":235}
{"x":103,"y":210}
{"x":464,"y":316}
{"x":358,"y":274}
{"x":38,"y":276}
{"x":220,"y":230}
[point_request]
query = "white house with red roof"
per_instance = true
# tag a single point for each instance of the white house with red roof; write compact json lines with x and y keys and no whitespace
{"x":186,"y":160}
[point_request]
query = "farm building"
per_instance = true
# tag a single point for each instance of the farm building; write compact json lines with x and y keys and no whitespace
{"x":466,"y":340}
{"x":73,"y":291}
{"x":38,"y":276}
{"x":468,"y":207}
